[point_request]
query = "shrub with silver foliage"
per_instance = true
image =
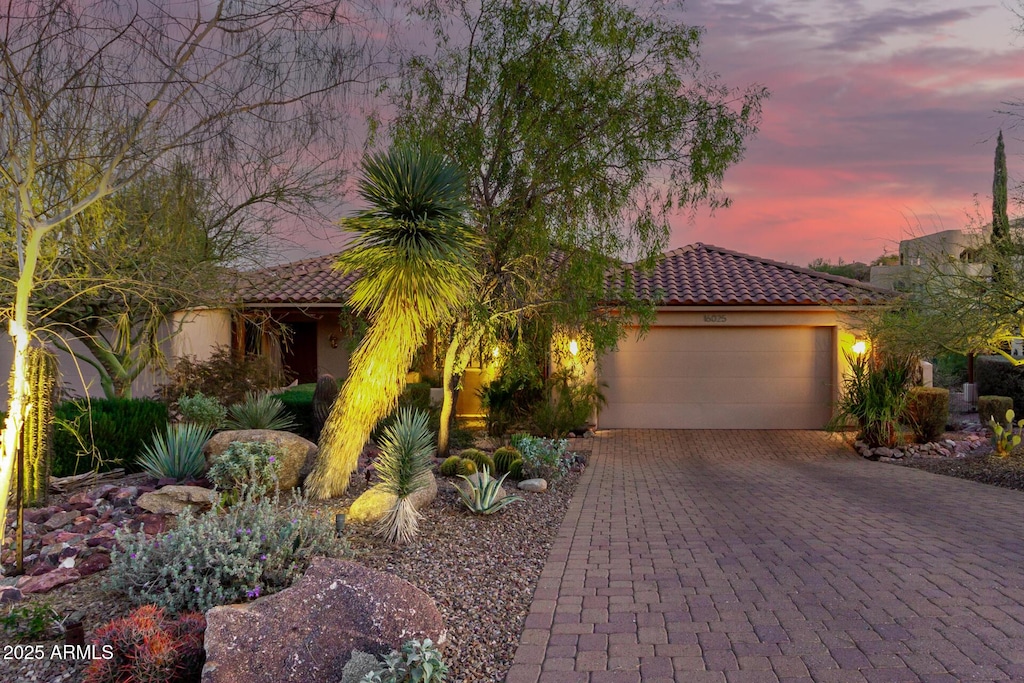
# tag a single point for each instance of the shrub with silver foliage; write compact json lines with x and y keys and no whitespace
{"x":249,"y":465}
{"x":416,"y":662}
{"x":202,"y":410}
{"x":542,"y":458}
{"x":222,"y":557}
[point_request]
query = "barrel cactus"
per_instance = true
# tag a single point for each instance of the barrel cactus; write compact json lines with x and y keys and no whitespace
{"x":450,"y":466}
{"x":480,"y":458}
{"x":515,"y":470}
{"x":466,"y":467}
{"x":504,"y":457}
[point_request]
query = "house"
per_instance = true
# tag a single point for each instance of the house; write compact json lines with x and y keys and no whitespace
{"x":739,"y":342}
{"x":949,"y":252}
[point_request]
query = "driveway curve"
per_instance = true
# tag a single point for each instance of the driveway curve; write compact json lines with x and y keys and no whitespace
{"x":775,"y":556}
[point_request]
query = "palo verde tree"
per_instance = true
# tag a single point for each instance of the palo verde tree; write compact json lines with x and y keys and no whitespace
{"x":413,"y":252}
{"x":583,"y":125}
{"x":96,"y":94}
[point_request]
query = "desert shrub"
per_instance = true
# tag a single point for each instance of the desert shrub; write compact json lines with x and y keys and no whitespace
{"x":247,"y":465}
{"x":569,"y":405}
{"x":222,"y":556}
{"x":202,"y":410}
{"x":404,"y":464}
{"x":505,"y":456}
{"x":928,"y":412}
{"x":511,"y":398}
{"x":148,"y":647}
{"x":416,"y":662}
{"x":481,"y":459}
{"x":542,"y":458}
{"x":103,"y":434}
{"x":996,"y":376}
{"x":483,"y":495}
{"x":30,"y":621}
{"x":226,"y":376}
{"x":450,"y":466}
{"x":874,"y":395}
{"x":993,"y":408}
{"x":176,"y":452}
{"x":259,"y":411}
{"x":950,"y":370}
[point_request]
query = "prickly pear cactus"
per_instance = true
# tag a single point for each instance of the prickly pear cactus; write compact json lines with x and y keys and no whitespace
{"x":42,"y":379}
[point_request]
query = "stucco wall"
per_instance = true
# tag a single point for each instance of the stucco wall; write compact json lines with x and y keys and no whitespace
{"x":332,"y":354}
{"x":200,"y":332}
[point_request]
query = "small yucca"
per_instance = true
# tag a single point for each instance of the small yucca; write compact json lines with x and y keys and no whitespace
{"x":404,"y":464}
{"x":177,"y":452}
{"x":259,"y":411}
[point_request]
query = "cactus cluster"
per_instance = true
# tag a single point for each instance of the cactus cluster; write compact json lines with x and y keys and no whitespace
{"x":479,"y":458}
{"x":148,"y":647}
{"x":38,"y":455}
{"x":466,"y":467}
{"x":504,"y":457}
{"x":450,"y":466}
{"x":515,"y":469}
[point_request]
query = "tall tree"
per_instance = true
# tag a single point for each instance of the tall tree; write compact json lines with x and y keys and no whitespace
{"x":583,"y":125}
{"x":1000,"y":217}
{"x":95,"y":94}
{"x":413,"y":251}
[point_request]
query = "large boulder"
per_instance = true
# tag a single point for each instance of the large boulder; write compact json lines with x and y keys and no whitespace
{"x":306,"y":633}
{"x":297,"y":457}
{"x":374,"y":503}
{"x":174,"y":499}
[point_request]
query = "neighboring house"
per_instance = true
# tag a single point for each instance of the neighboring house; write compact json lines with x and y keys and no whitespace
{"x":942,"y":253}
{"x":739,"y":342}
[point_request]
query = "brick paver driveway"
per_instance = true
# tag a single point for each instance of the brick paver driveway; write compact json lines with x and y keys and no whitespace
{"x":765,"y":556}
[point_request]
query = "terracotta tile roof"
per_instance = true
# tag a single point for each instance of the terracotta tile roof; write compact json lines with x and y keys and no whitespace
{"x":307,"y":282}
{"x":704,"y":275}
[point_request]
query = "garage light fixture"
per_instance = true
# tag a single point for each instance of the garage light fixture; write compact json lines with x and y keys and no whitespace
{"x":574,"y":347}
{"x":860,"y":346}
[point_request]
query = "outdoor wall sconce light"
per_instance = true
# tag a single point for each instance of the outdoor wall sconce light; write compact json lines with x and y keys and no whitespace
{"x":574,"y":347}
{"x":496,"y":352}
{"x":333,"y":340}
{"x":860,"y":346}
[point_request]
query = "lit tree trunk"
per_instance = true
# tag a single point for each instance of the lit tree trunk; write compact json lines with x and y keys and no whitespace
{"x":456,"y":360}
{"x":375,"y":383}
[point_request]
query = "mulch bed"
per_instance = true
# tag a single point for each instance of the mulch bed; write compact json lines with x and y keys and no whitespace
{"x":480,"y":570}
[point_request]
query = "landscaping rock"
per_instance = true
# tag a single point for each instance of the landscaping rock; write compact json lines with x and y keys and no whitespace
{"x":297,"y":458}
{"x":306,"y":633}
{"x":534,"y":485}
{"x":374,"y":503}
{"x":59,"y":519}
{"x":174,"y":499}
{"x":92,"y":564}
{"x":9,"y":594}
{"x":48,"y":581}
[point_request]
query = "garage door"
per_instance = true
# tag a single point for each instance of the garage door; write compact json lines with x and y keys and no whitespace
{"x":720,"y":378}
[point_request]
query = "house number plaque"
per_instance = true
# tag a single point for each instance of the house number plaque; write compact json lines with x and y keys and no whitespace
{"x":714,"y":318}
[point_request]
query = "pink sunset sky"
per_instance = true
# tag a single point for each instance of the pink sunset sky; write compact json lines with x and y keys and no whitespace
{"x":881,"y":123}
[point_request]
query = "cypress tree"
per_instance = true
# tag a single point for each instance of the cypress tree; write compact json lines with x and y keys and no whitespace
{"x":1000,"y":218}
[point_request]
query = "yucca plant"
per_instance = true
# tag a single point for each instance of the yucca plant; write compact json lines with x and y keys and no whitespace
{"x":177,"y":452}
{"x":481,"y":493}
{"x":404,"y":464}
{"x":259,"y":411}
{"x":414,"y":255}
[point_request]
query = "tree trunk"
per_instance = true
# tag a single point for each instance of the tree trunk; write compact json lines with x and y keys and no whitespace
{"x":456,"y":360}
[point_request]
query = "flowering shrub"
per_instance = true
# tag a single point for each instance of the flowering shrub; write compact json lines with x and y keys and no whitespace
{"x":247,"y":465}
{"x":147,"y":647}
{"x":543,"y":458}
{"x":221,"y":557}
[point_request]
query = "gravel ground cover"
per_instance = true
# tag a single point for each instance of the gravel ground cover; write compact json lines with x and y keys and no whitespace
{"x":480,"y":570}
{"x":988,"y":469}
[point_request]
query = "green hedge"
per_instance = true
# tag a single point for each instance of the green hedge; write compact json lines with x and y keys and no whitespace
{"x":298,"y":401}
{"x":996,"y":376}
{"x":119,"y":429}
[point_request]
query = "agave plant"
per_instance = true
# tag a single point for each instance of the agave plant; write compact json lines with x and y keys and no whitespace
{"x":405,"y":461}
{"x":177,"y":452}
{"x":259,"y":411}
{"x":481,"y":493}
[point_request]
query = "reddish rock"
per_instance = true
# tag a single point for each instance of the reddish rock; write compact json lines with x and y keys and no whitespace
{"x":68,"y":537}
{"x":39,"y":568}
{"x":92,"y":564}
{"x":100,"y":539}
{"x":59,"y":519}
{"x":150,"y":523}
{"x":124,"y":497}
{"x":70,"y":551}
{"x":175,"y":499}
{"x":9,"y":594}
{"x":40,"y":515}
{"x":101,"y":491}
{"x":166,"y":481}
{"x":146,"y":489}
{"x":82,"y":527}
{"x":50,"y":538}
{"x":49,"y":581}
{"x":306,"y":633}
{"x":82,"y":497}
{"x":80,"y":507}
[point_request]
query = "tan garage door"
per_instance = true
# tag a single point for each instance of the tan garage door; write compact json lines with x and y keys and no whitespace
{"x":720,"y":378}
